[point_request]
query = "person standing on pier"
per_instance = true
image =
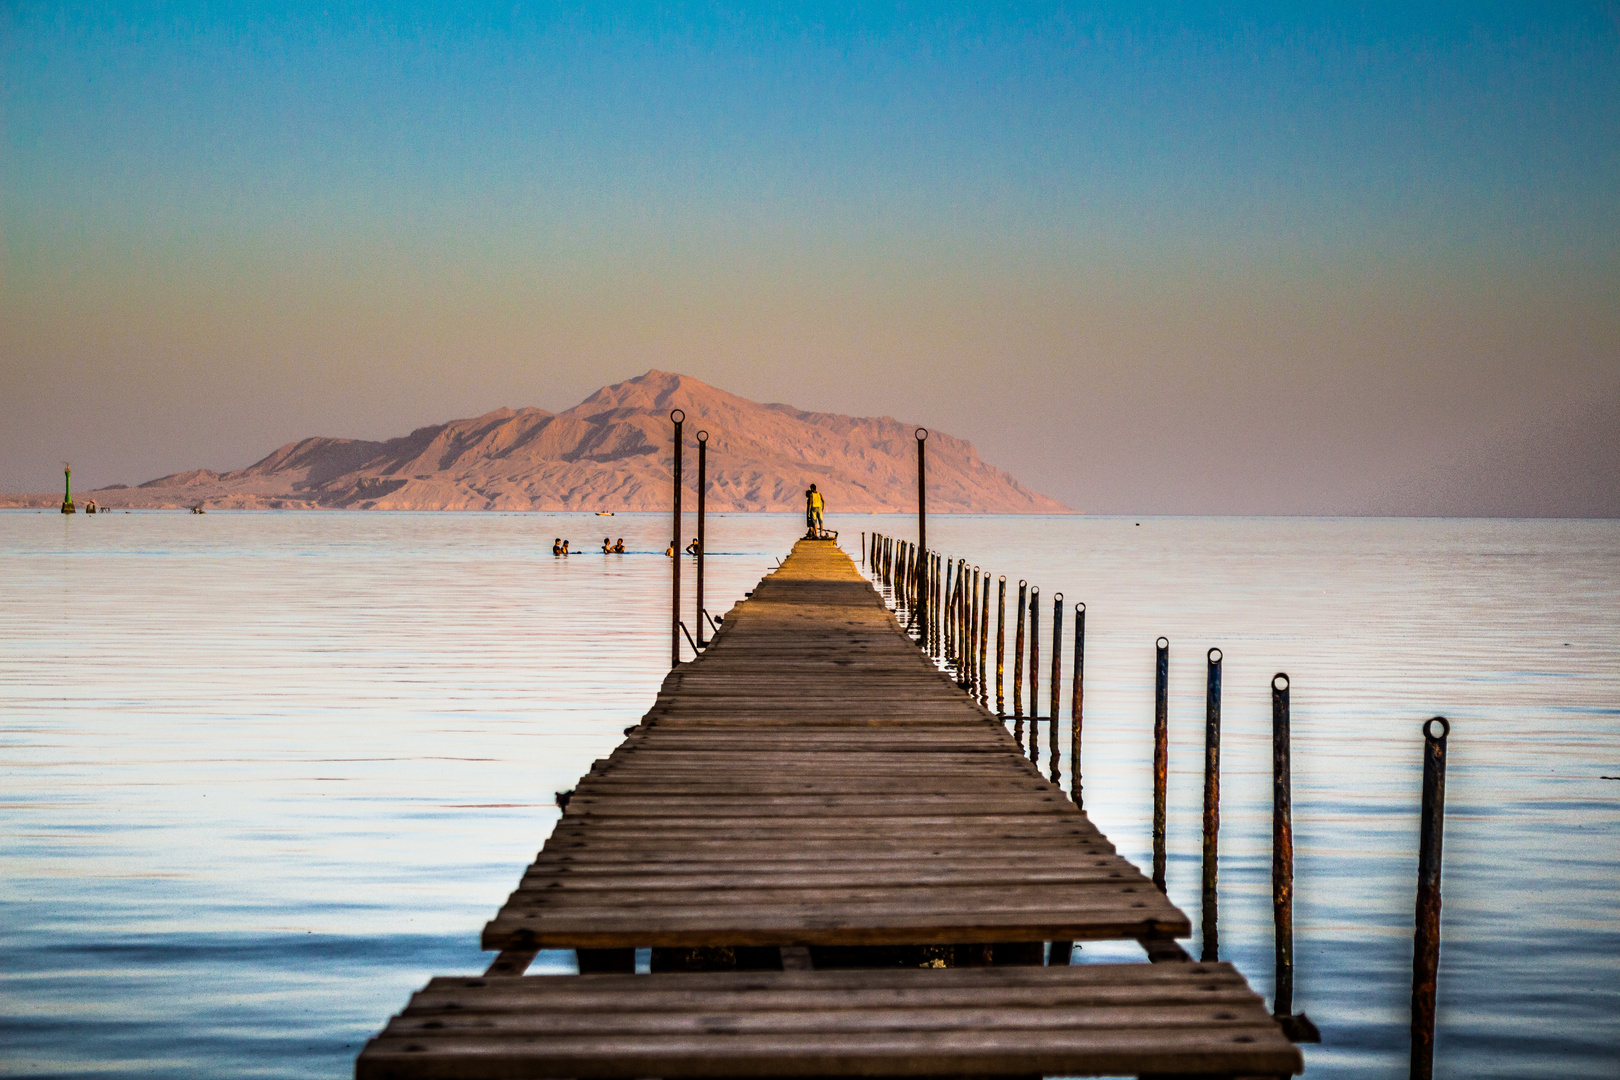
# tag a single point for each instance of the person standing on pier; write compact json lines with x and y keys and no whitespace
{"x":814,"y":505}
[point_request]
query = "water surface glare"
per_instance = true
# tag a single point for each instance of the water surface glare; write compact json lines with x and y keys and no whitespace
{"x":267,"y":772}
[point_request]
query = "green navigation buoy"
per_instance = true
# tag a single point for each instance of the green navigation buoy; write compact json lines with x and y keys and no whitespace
{"x":67,"y":492}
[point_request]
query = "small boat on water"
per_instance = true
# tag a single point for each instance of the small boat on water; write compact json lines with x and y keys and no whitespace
{"x":604,"y":513}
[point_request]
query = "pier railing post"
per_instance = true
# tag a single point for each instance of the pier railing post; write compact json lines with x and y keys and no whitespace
{"x":1161,"y":754}
{"x":1018,"y":665}
{"x":1282,"y":847}
{"x":677,"y":417}
{"x":1057,"y":686}
{"x":984,"y":645}
{"x":1077,"y":698}
{"x":1001,"y":640}
{"x":1212,"y":809}
{"x":702,"y":540}
{"x":1426,"y":940}
{"x":922,"y":509}
{"x":973,"y":633}
{"x":1034,"y":675}
{"x":1297,"y":1027}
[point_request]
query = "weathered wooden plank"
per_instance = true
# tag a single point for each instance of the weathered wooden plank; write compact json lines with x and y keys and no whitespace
{"x":1107,"y":1020}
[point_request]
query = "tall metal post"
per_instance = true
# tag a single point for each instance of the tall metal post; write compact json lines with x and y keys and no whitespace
{"x":1018,"y":664}
{"x":67,"y":490}
{"x":1161,"y":753}
{"x":702,"y":539}
{"x":678,"y":418}
{"x":1282,"y":847}
{"x":922,"y":512}
{"x":973,"y":632}
{"x":1057,"y":684}
{"x":1001,"y":640}
{"x":984,"y":642}
{"x":1212,"y":808}
{"x":1076,"y":702}
{"x":1426,"y":941}
{"x":1034,"y":675}
{"x":1297,"y":1027}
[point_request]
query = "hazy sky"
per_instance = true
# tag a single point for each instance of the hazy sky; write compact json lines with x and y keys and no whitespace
{"x":1198,"y":260}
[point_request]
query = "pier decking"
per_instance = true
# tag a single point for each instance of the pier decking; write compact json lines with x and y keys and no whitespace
{"x":813,"y":792}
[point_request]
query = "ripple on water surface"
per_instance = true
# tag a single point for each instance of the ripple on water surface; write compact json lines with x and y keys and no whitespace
{"x":265,"y":773}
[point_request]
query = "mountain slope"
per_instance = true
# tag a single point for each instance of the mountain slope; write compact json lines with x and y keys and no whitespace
{"x":612,"y":452}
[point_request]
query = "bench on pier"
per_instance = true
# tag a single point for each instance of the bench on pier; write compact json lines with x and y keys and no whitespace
{"x":1089,"y":1020}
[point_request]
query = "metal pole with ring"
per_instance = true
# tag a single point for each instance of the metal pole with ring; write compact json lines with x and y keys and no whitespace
{"x":678,"y":418}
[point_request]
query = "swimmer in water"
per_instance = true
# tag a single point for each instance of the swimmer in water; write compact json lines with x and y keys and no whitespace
{"x":556,"y":545}
{"x":692,"y":548}
{"x":618,"y":549}
{"x":669,"y":552}
{"x":607,"y":546}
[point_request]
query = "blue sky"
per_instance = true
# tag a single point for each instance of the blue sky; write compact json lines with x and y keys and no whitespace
{"x":353,"y":219}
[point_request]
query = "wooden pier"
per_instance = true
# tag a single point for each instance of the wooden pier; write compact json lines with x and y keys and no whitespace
{"x":809,"y":822}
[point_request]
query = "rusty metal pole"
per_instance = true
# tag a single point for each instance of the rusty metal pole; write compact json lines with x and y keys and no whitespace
{"x":1426,"y":941}
{"x":1212,"y":808}
{"x":1161,"y":754}
{"x":1001,"y":641}
{"x":702,"y":494}
{"x":677,"y":417}
{"x":973,"y":633}
{"x":922,"y":511}
{"x":1057,"y":686}
{"x":1034,"y":675}
{"x":961,"y":620}
{"x":1076,"y":704}
{"x":1297,"y":1027}
{"x":984,"y":643}
{"x":1282,"y":847}
{"x":1018,"y":665}
{"x":936,"y":604}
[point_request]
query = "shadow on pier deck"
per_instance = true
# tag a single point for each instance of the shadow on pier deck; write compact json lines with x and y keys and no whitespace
{"x":808,"y":824}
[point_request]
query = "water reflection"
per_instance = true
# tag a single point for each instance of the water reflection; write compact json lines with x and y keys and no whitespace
{"x":266,"y":772}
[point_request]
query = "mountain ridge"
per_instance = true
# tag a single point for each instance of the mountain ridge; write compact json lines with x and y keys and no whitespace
{"x":609,"y":452}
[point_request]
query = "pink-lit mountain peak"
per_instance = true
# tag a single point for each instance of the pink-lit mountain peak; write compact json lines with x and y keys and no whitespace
{"x":613,"y":452}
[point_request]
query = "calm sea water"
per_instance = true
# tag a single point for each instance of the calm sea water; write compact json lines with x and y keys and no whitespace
{"x":265,"y":773}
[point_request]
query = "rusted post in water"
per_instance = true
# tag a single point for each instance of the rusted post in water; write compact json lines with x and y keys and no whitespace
{"x":984,"y":643}
{"x":1018,"y":665}
{"x":1001,"y":640}
{"x":973,"y":632}
{"x":1282,"y":847}
{"x":961,"y":621}
{"x":702,"y":539}
{"x":1298,"y":1028}
{"x":1034,"y":674}
{"x":936,"y":603}
{"x":1426,"y":941}
{"x":980,"y":598}
{"x":922,"y":491}
{"x":1076,"y":703}
{"x":1161,"y":753}
{"x":678,"y":417}
{"x":863,"y":549}
{"x":1057,"y":685}
{"x":1212,"y":807}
